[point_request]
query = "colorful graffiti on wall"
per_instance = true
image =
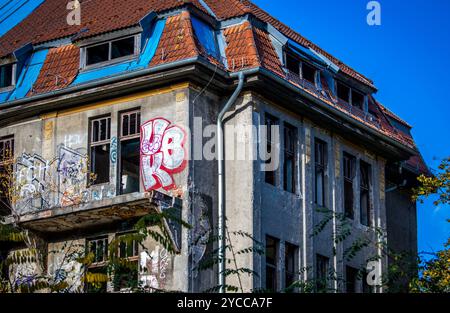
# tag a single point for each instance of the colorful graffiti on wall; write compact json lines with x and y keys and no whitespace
{"x":162,"y":153}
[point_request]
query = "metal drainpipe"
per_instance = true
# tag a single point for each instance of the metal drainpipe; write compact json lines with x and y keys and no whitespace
{"x":221,"y":181}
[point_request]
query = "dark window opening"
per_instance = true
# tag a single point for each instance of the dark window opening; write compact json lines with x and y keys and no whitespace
{"x":349,"y":174}
{"x":270,"y":122}
{"x":100,"y":150}
{"x":121,"y":48}
{"x":6,"y":174}
{"x":365,"y":193}
{"x":343,"y":92}
{"x":272,"y":246}
{"x":320,"y":163}
{"x":290,"y":164}
{"x":292,"y":64}
{"x":309,"y":73}
{"x":290,"y":264}
{"x":126,"y":274}
{"x":97,"y":54}
{"x":6,"y":75}
{"x":351,"y":278}
{"x":129,"y":152}
{"x":322,"y":268}
{"x":358,"y":99}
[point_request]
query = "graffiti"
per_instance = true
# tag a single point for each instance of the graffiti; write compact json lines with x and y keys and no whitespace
{"x":162,"y":153}
{"x":202,"y":226}
{"x":113,"y":153}
{"x":72,"y":165}
{"x":154,"y":268}
{"x":72,"y":140}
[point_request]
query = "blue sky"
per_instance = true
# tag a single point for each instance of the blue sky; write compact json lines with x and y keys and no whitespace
{"x":407,"y":57}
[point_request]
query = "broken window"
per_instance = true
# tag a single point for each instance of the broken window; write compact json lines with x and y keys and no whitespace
{"x":292,"y":64}
{"x":322,"y":268}
{"x":308,"y":73}
{"x":343,"y":92}
{"x":100,"y":149}
{"x":96,"y":275}
{"x":6,"y":75}
{"x":349,"y":174}
{"x":290,"y":264}
{"x":126,"y":273}
{"x":270,"y":122}
{"x":6,"y":172}
{"x":272,"y":246}
{"x":111,"y":50}
{"x":129,"y":162}
{"x":357,"y":99}
{"x":290,"y":164}
{"x":320,"y":163}
{"x":351,"y":278}
{"x":364,"y":193}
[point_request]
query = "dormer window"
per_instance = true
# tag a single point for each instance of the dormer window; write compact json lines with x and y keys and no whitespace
{"x":350,"y":95}
{"x":114,"y":50}
{"x":7,"y":77}
{"x":298,"y":67}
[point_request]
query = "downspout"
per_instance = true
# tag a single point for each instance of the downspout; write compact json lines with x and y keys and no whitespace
{"x":221,"y":181}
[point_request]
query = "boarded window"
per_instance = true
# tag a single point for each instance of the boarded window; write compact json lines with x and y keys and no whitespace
{"x":272,"y":246}
{"x":308,"y":73}
{"x":364,"y":193}
{"x":290,"y":164}
{"x":320,"y":163}
{"x":100,"y":149}
{"x":270,"y":122}
{"x":129,"y":151}
{"x":6,"y":172}
{"x":6,"y":75}
{"x":322,"y":268}
{"x":343,"y":92}
{"x":349,"y":174}
{"x":290,"y":264}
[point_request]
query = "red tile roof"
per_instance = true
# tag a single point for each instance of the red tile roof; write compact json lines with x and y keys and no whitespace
{"x":267,"y":54}
{"x":59,"y":70}
{"x":241,"y":49}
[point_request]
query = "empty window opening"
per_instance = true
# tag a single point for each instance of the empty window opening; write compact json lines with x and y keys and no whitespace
{"x":358,"y":99}
{"x":6,"y":75}
{"x":292,"y":64}
{"x":290,"y":164}
{"x":364,"y":193}
{"x":122,"y":48}
{"x":349,"y":175}
{"x":100,"y":150}
{"x":343,"y":92}
{"x":322,"y":268}
{"x":272,"y":246}
{"x":6,"y":174}
{"x":320,"y":164}
{"x":129,"y":151}
{"x":351,"y":279}
{"x":308,"y":73}
{"x":290,"y":264}
{"x":126,"y":274}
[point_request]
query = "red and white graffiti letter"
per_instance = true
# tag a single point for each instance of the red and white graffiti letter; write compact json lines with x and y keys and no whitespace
{"x":162,"y":153}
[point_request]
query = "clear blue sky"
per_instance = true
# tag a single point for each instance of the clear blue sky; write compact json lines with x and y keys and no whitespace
{"x":408,"y":58}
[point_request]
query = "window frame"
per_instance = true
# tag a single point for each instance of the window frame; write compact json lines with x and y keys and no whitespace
{"x":323,"y":168}
{"x":269,"y":143}
{"x":318,"y":280}
{"x":6,"y":161}
{"x":13,"y":76}
{"x":288,"y":273}
{"x":291,"y":153}
{"x":135,"y":54}
{"x":367,"y":188}
{"x":350,"y":95}
{"x":274,"y":266}
{"x":123,"y":138}
{"x":351,"y":180}
{"x":301,"y":61}
{"x":92,"y":144}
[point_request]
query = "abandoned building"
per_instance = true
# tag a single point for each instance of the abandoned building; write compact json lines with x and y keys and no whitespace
{"x":99,"y":127}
